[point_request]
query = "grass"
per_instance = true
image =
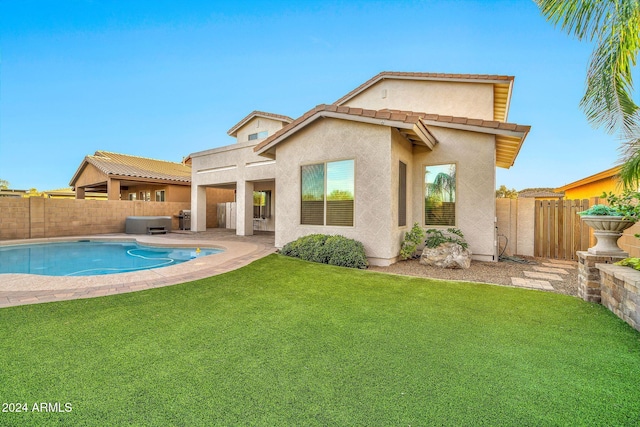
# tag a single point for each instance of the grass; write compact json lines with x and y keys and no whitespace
{"x":286,"y":342}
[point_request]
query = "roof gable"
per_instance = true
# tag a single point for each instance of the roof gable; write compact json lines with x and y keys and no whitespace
{"x":123,"y":165}
{"x":270,"y":116}
{"x":502,"y":86}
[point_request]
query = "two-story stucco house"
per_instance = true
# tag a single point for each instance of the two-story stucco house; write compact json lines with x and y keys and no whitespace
{"x":401,"y":148}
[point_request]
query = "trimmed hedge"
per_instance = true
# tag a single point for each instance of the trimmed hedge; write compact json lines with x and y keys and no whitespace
{"x":324,"y":249}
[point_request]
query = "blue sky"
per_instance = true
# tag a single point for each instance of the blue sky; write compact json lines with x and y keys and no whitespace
{"x":163,"y":79}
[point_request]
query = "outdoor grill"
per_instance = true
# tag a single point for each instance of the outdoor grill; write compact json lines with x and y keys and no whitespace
{"x":184,"y":219}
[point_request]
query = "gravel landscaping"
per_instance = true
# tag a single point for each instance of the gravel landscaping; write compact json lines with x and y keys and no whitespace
{"x":499,"y":273}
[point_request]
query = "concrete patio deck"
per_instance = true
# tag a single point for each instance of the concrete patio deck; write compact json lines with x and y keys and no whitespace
{"x":20,"y":289}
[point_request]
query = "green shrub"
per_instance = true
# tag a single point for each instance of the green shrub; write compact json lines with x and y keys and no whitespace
{"x":411,"y":241}
{"x":626,"y":205}
{"x":345,"y":252}
{"x":601,"y":210}
{"x":308,"y":248}
{"x":436,"y":237}
{"x":630,"y":262}
{"x":334,"y":250}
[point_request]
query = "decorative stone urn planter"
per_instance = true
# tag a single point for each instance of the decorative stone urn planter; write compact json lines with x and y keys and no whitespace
{"x":607,"y":230}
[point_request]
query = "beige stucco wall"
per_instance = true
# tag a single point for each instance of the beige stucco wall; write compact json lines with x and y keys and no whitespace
{"x":377,"y":150}
{"x":401,"y":151}
{"x":255,"y":125}
{"x":228,"y":164}
{"x":473,"y":100}
{"x":227,"y":167}
{"x":474,"y":156}
{"x":330,"y":140}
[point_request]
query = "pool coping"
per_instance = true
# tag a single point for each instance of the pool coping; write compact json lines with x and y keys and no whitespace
{"x":19,"y":289}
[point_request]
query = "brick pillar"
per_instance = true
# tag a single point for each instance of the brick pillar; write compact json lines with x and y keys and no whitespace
{"x":589,"y":275}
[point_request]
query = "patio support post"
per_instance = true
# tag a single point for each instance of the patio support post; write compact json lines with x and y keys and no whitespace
{"x":113,"y":189}
{"x":198,"y":208}
{"x":244,"y":205}
{"x":80,"y":193}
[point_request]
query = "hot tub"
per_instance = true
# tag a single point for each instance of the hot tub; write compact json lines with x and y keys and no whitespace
{"x":148,"y":224}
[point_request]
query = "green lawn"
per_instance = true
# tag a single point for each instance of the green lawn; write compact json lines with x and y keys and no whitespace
{"x":286,"y":342}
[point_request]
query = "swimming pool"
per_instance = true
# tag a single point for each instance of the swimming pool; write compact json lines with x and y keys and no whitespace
{"x":88,"y":258}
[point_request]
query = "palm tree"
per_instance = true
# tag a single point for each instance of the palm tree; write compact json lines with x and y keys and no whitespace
{"x":614,"y":25}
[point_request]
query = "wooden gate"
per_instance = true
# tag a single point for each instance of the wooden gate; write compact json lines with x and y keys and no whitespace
{"x":559,"y":233}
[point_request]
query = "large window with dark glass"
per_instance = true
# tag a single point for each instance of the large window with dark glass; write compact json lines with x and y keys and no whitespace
{"x":328,"y":193}
{"x":440,"y":195}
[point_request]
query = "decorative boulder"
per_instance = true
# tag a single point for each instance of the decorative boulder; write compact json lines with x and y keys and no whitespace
{"x":447,"y":255}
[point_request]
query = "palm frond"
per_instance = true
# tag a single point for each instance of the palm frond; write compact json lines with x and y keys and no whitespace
{"x":581,"y":18}
{"x":607,"y":101}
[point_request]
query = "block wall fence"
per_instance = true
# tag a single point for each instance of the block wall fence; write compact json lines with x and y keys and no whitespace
{"x":35,"y":217}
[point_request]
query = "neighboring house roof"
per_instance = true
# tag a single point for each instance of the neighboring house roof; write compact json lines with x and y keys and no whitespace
{"x":10,"y":192}
{"x":413,"y":125}
{"x":502,"y":86}
{"x":70,"y":193}
{"x":531,"y":193}
{"x":234,"y":130}
{"x":609,"y":173}
{"x":123,"y":165}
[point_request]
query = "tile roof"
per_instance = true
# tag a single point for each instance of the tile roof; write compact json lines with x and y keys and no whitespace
{"x":489,"y":124}
{"x":136,"y":167}
{"x":529,"y":193}
{"x":405,"y":117}
{"x":488,"y":78}
{"x":508,"y":141}
{"x":256,"y":113}
{"x":396,"y":116}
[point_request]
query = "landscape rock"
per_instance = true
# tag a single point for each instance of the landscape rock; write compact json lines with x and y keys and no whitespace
{"x":447,"y":255}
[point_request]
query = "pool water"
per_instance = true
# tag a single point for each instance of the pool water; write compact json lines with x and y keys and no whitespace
{"x":86,"y":258}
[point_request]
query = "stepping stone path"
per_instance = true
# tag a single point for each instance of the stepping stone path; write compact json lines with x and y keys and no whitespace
{"x":542,"y":276}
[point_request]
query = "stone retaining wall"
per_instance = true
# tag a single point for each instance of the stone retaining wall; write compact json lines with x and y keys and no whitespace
{"x":620,"y":292}
{"x":616,"y":287}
